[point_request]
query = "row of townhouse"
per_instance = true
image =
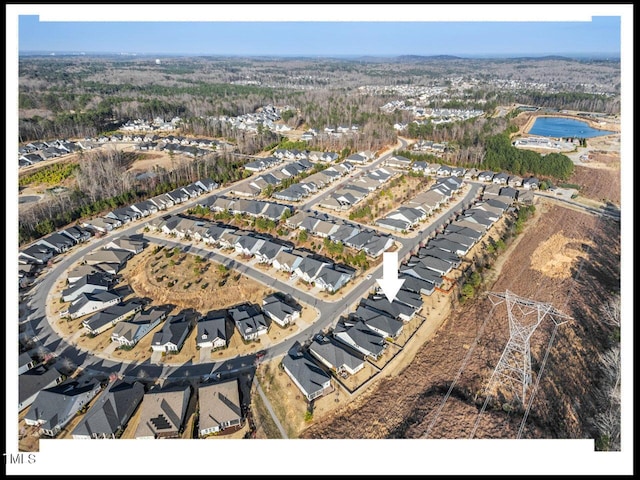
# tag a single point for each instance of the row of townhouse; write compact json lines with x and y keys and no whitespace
{"x":325,"y":275}
{"x":424,"y":271}
{"x":273,"y":179}
{"x":324,"y":226}
{"x":45,"y":248}
{"x":429,"y":145}
{"x":415,"y":211}
{"x":35,"y":152}
{"x":363,"y":334}
{"x":32,"y":259}
{"x":255,"y":208}
{"x":500,"y":178}
{"x":124,"y":215}
{"x":314,"y":182}
{"x":356,"y":190}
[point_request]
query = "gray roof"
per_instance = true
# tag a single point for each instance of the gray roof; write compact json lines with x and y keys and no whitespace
{"x":448,"y":245}
{"x":173,"y":330}
{"x":414,"y":300}
{"x":382,"y":305}
{"x":52,"y":405}
{"x":459,"y":238}
{"x":361,"y":239}
{"x":59,"y":240}
{"x":393,"y":223}
{"x":362,"y":336}
{"x":436,"y":252}
{"x":211,"y":327}
{"x":438,"y":265}
{"x":278,"y":309}
{"x":333,"y":278}
{"x":479,"y":216}
{"x":344,"y":232}
{"x":270,"y":249}
{"x":416,"y":284}
{"x":306,"y":372}
{"x":310,"y":266}
{"x":112,"y":409}
{"x":248,"y":318}
{"x":335,"y":353}
{"x":108,"y":315}
{"x":24,"y":359}
{"x":104,"y":296}
{"x":380,"y":322}
{"x":377,"y":244}
{"x":461,"y":230}
{"x":34,"y":380}
{"x":423,"y":273}
{"x":498,"y":204}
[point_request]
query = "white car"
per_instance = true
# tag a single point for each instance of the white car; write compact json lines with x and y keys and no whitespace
{"x":368,"y":277}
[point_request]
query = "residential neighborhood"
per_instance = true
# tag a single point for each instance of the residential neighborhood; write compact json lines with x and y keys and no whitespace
{"x":358,"y":246}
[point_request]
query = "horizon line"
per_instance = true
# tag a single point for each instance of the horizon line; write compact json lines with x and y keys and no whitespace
{"x":322,"y":55}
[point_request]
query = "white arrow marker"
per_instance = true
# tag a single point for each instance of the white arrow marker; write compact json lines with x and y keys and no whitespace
{"x":390,"y":283}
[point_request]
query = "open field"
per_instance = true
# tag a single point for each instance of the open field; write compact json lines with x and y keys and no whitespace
{"x":188,"y":281}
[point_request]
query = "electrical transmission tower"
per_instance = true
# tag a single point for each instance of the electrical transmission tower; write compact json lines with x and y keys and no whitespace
{"x":513,"y":370}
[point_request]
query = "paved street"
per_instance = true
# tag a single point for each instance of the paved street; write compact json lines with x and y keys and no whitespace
{"x":330,"y":309}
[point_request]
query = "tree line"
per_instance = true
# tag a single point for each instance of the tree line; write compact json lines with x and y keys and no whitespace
{"x":501,"y":155}
{"x":102,"y":184}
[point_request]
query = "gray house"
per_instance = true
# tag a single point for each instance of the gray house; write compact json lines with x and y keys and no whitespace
{"x":336,"y":356}
{"x":129,"y":332}
{"x":54,"y":407}
{"x":108,"y":417}
{"x":107,"y":318}
{"x":361,"y":338}
{"x":32,"y":381}
{"x":249,"y":321}
{"x":174,"y":332}
{"x":279,"y":311}
{"x":312,"y":381}
{"x":212,"y":330}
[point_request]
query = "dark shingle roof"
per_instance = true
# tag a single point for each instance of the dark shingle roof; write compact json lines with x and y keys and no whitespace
{"x":112,"y":409}
{"x":306,"y":372}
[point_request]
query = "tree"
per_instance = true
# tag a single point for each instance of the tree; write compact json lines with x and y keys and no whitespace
{"x":607,"y":421}
{"x":467,"y":291}
{"x":610,"y":311}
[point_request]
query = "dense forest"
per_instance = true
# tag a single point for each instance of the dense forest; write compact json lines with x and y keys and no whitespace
{"x":502,"y":156}
{"x":73,"y":97}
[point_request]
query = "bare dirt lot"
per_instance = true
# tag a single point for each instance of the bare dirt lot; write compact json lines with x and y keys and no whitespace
{"x":601,"y":184}
{"x":189,"y":282}
{"x":474,"y":340}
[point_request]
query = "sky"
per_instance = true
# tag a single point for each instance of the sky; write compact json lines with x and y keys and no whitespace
{"x":350,"y":35}
{"x":336,"y":30}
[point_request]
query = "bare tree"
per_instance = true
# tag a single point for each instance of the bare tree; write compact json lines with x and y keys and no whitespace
{"x":607,"y":422}
{"x":610,"y":311}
